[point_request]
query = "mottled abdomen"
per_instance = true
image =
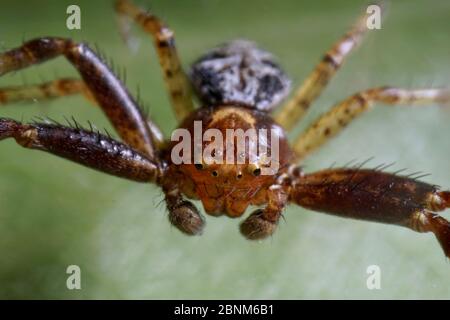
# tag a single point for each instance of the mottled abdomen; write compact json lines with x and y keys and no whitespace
{"x":239,"y":73}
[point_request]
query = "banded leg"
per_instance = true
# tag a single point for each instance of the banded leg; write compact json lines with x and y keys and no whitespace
{"x":294,"y":110}
{"x":90,"y":149}
{"x":109,"y":92}
{"x":376,"y":196}
{"x":48,"y":90}
{"x":335,"y":120}
{"x":62,"y":88}
{"x":175,"y":78}
{"x":263,"y":222}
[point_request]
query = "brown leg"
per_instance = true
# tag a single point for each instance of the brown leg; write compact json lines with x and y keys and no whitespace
{"x":332,"y":122}
{"x":90,"y":149}
{"x":49,"y":90}
{"x":109,"y":92}
{"x":376,"y":196}
{"x":263,"y":222}
{"x":182,"y":214}
{"x":62,"y":88}
{"x":176,"y":80}
{"x":294,"y":110}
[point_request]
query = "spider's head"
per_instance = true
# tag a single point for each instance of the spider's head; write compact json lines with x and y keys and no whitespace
{"x":240,"y":152}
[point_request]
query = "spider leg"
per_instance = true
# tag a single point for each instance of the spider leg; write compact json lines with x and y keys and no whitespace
{"x":87,"y":148}
{"x":109,"y":92}
{"x":263,"y":222}
{"x":48,"y":90}
{"x":182,"y":213}
{"x":376,"y":196}
{"x":294,"y":110}
{"x":332,"y":122}
{"x":175,"y":78}
{"x":61,"y":88}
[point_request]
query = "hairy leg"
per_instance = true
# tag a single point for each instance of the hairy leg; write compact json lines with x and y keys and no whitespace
{"x":294,"y":110}
{"x":62,"y":88}
{"x":263,"y":222}
{"x":376,"y":196}
{"x":109,"y":92}
{"x":176,"y":80}
{"x":182,"y":213}
{"x":332,"y":122}
{"x":88,"y":148}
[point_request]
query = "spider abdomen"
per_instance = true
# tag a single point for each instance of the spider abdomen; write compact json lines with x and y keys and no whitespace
{"x":239,"y":73}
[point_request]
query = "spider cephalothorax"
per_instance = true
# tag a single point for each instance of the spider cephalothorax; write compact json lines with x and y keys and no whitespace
{"x":239,"y":86}
{"x":229,"y":187}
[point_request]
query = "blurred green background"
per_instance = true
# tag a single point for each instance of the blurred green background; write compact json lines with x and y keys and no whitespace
{"x":54,"y":213}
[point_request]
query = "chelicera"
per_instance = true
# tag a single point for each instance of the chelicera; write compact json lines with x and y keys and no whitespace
{"x":239,"y":87}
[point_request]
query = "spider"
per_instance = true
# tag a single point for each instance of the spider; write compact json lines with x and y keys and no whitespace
{"x":239,"y":86}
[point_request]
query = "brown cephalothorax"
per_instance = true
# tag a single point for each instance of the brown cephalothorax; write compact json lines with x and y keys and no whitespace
{"x":239,"y":86}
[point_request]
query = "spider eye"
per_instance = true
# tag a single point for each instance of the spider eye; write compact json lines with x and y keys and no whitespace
{"x":257,"y":172}
{"x":215,"y":173}
{"x":198,"y":166}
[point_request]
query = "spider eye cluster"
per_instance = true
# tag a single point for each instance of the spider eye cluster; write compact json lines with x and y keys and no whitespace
{"x":200,"y":166}
{"x":254,"y":170}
